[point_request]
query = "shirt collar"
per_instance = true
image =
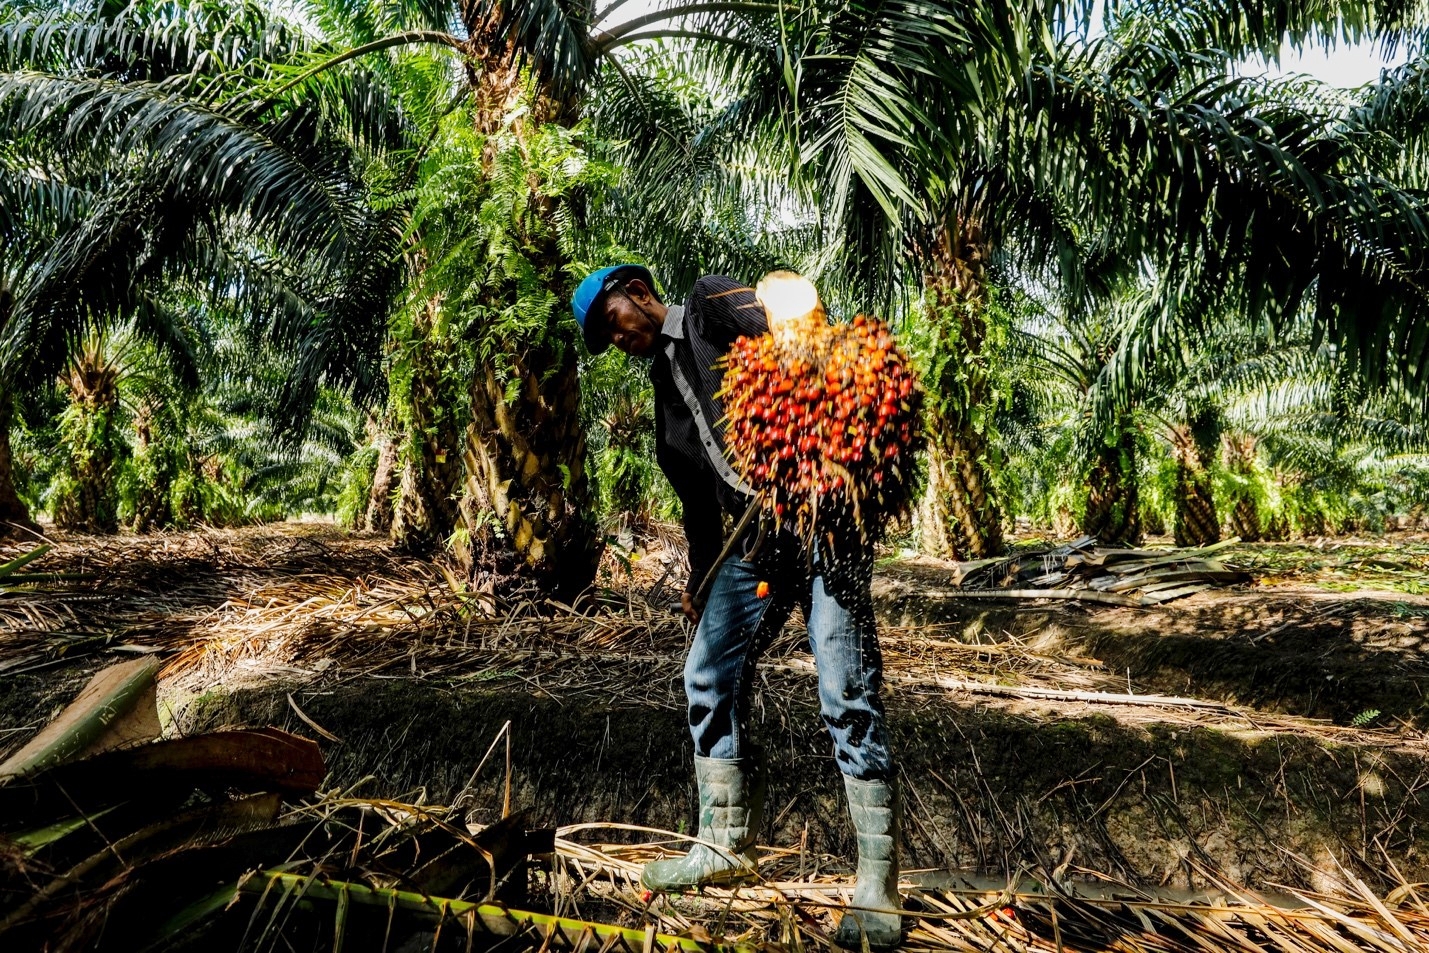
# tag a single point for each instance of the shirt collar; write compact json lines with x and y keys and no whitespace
{"x":674,"y":326}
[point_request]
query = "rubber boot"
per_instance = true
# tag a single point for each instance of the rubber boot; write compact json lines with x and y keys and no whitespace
{"x":874,"y":807}
{"x":731,"y":808}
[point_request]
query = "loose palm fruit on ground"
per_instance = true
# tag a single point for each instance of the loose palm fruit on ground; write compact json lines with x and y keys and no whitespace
{"x":822,"y":418}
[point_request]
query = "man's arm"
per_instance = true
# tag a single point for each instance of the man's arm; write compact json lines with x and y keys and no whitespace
{"x":723,"y":309}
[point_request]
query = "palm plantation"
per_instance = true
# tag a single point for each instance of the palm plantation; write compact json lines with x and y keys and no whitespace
{"x":927,"y":201}
{"x":300,"y":403}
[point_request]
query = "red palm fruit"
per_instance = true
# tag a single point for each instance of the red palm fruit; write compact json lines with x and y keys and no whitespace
{"x":825,"y":396}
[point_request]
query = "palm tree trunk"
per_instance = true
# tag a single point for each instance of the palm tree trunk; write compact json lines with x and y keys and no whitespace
{"x":91,"y":502}
{"x":527,"y":503}
{"x":1196,"y":521}
{"x":377,"y":517}
{"x":505,"y":463}
{"x":1112,"y":514}
{"x":959,"y":516}
{"x":1194,"y":445}
{"x":151,"y":495}
{"x":427,"y":508}
{"x":1240,"y":460}
{"x":623,"y":469}
{"x":1278,"y":527}
{"x":14,"y":514}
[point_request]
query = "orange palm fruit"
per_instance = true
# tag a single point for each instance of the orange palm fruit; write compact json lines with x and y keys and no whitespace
{"x":822,"y":419}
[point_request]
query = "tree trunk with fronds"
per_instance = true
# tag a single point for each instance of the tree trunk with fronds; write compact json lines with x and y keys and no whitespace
{"x":154,"y":476}
{"x":624,"y":469}
{"x":14,"y":514}
{"x":88,"y":500}
{"x":377,"y":516}
{"x":1245,"y":514}
{"x":527,"y":503}
{"x":1194,"y":445}
{"x":15,"y":518}
{"x":1112,"y":514}
{"x":427,"y":509}
{"x":958,"y":516}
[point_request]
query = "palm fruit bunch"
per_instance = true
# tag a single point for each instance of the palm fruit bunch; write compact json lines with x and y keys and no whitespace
{"x":822,"y":419}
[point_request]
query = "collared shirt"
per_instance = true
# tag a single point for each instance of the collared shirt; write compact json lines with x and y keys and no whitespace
{"x":696,"y":337}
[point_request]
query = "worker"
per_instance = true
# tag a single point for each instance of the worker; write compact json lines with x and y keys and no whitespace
{"x":749,"y":598}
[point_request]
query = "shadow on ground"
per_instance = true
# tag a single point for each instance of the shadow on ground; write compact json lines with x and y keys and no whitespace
{"x":986,"y":789}
{"x":1345,"y":658}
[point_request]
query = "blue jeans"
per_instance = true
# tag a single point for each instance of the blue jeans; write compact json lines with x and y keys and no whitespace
{"x":736,"y":627}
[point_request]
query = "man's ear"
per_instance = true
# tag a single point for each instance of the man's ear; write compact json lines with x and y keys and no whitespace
{"x":639,"y":291}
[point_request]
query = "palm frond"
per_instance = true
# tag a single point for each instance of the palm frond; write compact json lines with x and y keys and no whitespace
{"x":1240,"y":27}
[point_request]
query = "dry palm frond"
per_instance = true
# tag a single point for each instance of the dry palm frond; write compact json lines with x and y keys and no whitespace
{"x":342,"y":853}
{"x":1038,"y":916}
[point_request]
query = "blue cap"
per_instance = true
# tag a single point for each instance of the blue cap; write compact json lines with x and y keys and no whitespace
{"x":586,"y":302}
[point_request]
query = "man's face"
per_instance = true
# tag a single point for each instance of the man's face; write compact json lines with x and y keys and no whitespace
{"x":631,"y":320}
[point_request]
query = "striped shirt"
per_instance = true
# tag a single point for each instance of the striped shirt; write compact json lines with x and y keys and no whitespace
{"x":690,"y":450}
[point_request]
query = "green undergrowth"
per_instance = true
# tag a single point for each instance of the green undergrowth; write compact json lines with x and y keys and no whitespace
{"x":1340,"y":566}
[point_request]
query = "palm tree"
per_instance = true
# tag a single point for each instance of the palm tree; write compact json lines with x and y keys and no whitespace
{"x":377,"y":511}
{"x":527,"y":456}
{"x":1195,"y":445}
{"x":87,"y":499}
{"x":1241,"y":461}
{"x":1057,"y":359}
{"x":509,"y":458}
{"x":123,"y":396}
{"x":14,"y":514}
{"x":1308,"y":441}
{"x":998,"y":158}
{"x":485,"y":366}
{"x":30,"y":202}
{"x":150,"y":171}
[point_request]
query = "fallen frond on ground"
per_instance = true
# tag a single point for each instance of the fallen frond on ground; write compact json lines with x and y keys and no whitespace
{"x":1085,"y":572}
{"x":187,"y":844}
{"x":1339,"y":565}
{"x":801,"y":895}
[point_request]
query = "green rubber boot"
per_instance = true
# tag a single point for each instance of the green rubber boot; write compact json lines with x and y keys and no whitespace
{"x":874,"y":807}
{"x":731,"y":808}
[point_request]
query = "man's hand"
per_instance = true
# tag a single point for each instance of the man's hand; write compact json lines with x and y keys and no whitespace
{"x":687,"y":605}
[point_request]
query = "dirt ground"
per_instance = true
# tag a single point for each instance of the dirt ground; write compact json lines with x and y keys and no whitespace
{"x":1265,"y":731}
{"x":1288,"y":645}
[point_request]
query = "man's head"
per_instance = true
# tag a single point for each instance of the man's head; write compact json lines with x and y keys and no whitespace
{"x":618,"y":305}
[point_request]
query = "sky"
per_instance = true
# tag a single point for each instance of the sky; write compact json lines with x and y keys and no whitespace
{"x":1346,"y":66}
